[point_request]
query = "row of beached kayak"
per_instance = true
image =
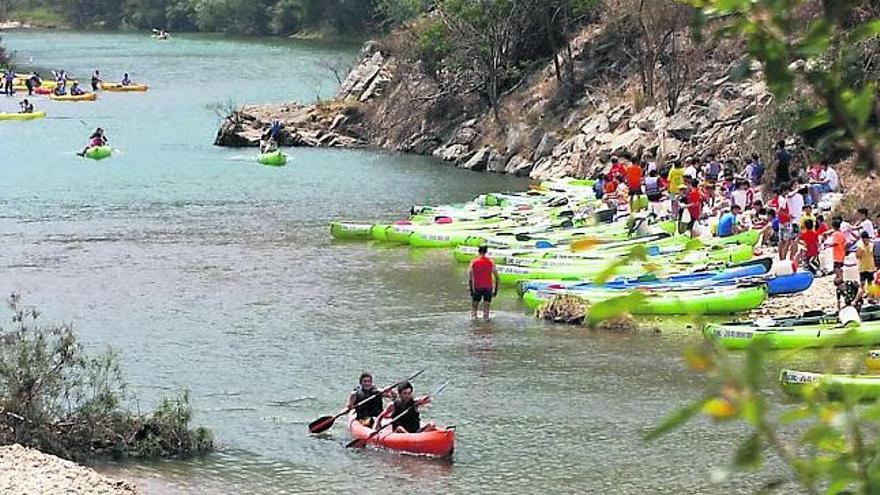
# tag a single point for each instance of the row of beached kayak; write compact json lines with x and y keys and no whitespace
{"x":556,"y":239}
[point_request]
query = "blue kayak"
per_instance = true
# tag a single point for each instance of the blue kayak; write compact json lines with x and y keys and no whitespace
{"x":786,"y":284}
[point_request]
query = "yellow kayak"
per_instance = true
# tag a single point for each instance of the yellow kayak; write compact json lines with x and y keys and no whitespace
{"x":120,"y":88}
{"x":22,"y":116}
{"x":85,"y":97}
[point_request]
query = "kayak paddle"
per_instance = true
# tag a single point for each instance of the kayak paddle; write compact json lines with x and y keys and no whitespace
{"x":325,"y":422}
{"x":359,"y":443}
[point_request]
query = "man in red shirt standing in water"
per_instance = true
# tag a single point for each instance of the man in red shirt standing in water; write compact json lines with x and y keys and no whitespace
{"x":483,"y":281}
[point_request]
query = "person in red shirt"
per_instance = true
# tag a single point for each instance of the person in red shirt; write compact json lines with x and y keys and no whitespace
{"x":483,"y":281}
{"x":809,"y":237}
{"x":694,"y":205}
{"x":634,"y":181}
{"x":617,"y":168}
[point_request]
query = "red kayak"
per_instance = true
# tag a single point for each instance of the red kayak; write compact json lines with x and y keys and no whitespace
{"x":440,"y":442}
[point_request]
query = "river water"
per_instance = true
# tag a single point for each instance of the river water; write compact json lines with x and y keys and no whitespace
{"x":211,"y":273}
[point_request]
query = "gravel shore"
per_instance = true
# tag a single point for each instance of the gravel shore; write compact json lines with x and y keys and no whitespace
{"x":25,"y":471}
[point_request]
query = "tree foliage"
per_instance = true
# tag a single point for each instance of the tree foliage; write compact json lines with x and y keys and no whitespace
{"x":816,"y":51}
{"x":234,"y":16}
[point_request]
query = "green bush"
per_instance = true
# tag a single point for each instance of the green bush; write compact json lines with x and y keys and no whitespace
{"x":56,"y":398}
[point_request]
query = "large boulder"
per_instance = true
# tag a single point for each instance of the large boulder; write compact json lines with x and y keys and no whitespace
{"x":626,"y":140}
{"x":519,"y":166}
{"x":478,"y":161}
{"x":596,"y":124}
{"x":680,"y":127}
{"x":452,"y":152}
{"x":545,"y":146}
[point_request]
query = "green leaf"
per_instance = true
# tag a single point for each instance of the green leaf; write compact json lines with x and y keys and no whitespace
{"x":862,"y":104}
{"x":817,"y":39}
{"x":814,"y":120}
{"x":614,"y":307}
{"x":797,"y":414}
{"x":750,"y":455}
{"x":754,"y":372}
{"x":865,"y":31}
{"x":674,"y":420}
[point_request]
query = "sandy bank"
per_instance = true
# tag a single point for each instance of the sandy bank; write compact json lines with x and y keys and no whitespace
{"x":25,"y":471}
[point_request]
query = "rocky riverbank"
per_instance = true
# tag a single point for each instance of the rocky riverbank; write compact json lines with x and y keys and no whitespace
{"x":387,"y":102}
{"x":25,"y":471}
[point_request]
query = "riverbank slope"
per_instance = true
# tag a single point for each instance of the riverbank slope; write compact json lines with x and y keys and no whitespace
{"x":25,"y":471}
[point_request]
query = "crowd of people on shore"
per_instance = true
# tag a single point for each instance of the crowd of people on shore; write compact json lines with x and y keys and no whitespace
{"x":708,"y":195}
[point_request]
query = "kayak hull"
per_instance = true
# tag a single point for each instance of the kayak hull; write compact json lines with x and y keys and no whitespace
{"x":667,"y":302}
{"x":119,"y":88}
{"x":736,"y":336}
{"x":22,"y":116}
{"x":438,"y":443}
{"x":857,"y":387}
{"x":99,"y":152}
{"x":84,"y":97}
{"x":273,"y":159}
{"x":345,"y":230}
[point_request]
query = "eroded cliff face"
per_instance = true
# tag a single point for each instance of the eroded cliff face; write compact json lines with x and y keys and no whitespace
{"x":388,"y":102}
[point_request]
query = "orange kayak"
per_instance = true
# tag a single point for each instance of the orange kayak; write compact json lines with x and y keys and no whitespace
{"x":440,"y":442}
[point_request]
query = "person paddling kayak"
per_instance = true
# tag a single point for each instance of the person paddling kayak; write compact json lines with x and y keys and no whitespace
{"x":26,"y":106}
{"x":96,"y":140}
{"x":270,"y":137}
{"x":483,"y":282}
{"x":366,"y":413}
{"x":406,"y":411}
{"x":75,"y":90}
{"x":126,"y":81}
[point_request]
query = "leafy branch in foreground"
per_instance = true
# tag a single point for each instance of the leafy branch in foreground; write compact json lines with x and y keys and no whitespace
{"x":56,"y":398}
{"x":813,"y":51}
{"x":836,"y":446}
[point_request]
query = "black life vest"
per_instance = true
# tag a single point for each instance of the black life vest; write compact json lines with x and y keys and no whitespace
{"x":372,"y":408}
{"x":410,"y":421}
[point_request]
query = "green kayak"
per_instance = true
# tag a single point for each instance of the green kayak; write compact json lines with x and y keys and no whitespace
{"x":795,"y":337}
{"x":858,"y":387}
{"x":274,"y":159}
{"x":529,"y":269}
{"x":99,"y":152}
{"x":345,"y":230}
{"x":669,"y":302}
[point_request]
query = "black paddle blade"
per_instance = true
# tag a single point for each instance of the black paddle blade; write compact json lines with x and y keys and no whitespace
{"x":321,"y":424}
{"x":357,"y":443}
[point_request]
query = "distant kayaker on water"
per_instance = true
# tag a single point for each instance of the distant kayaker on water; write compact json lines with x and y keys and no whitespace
{"x":483,"y":282}
{"x":75,"y":90}
{"x":96,"y":81}
{"x":126,"y":81}
{"x":26,"y":106}
{"x":366,"y":413}
{"x":269,"y":139}
{"x":97,"y":139}
{"x":408,"y":409}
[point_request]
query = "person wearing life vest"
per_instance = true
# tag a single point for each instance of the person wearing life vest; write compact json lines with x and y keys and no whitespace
{"x":366,"y":412}
{"x":407,"y":408}
{"x":483,"y":282}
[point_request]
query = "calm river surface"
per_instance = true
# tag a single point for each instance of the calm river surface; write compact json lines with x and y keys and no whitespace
{"x":211,"y":273}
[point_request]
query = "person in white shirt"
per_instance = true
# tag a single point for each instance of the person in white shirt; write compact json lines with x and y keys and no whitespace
{"x":795,"y":202}
{"x":690,"y":170}
{"x":828,"y":182}
{"x":741,"y":196}
{"x":865,"y":223}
